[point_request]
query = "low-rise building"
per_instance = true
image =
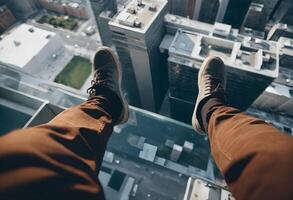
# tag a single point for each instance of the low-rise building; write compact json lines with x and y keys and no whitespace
{"x":66,"y":7}
{"x":33,"y":47}
{"x":7,"y":19}
{"x":176,"y":152}
{"x":198,"y":189}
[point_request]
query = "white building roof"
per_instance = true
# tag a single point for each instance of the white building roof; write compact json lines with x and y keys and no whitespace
{"x":138,"y":18}
{"x":177,"y":147}
{"x":149,"y":152}
{"x":19,"y":46}
{"x":108,"y":157}
{"x":188,"y":145}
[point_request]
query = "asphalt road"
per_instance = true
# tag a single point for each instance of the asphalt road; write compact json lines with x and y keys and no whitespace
{"x":153,"y":181}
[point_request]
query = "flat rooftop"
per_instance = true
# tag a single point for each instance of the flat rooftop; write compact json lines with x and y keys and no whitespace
{"x":188,"y":24}
{"x":197,"y":47}
{"x":20,"y":45}
{"x":139,"y":17}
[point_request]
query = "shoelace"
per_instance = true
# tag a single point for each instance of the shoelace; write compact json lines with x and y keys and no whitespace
{"x":212,"y":84}
{"x":99,"y":79}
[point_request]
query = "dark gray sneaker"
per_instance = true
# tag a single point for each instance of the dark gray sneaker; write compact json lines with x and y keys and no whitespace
{"x":211,"y":83}
{"x":107,"y":73}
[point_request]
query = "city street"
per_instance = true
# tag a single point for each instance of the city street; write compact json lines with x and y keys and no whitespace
{"x":154,"y":182}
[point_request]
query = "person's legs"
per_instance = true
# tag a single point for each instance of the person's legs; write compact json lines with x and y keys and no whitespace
{"x":254,"y":157}
{"x":58,"y":160}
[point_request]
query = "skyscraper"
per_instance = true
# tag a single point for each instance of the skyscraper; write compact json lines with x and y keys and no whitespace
{"x":206,"y":11}
{"x":236,"y":12}
{"x":255,"y":18}
{"x":137,"y":33}
{"x":99,"y":6}
{"x":283,"y":12}
{"x":105,"y":33}
{"x":104,"y":10}
{"x":182,"y":8}
{"x":251,"y":65}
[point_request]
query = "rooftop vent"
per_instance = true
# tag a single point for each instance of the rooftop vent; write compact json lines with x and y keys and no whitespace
{"x":16,"y":43}
{"x":31,"y":30}
{"x":153,"y":7}
{"x":131,"y":10}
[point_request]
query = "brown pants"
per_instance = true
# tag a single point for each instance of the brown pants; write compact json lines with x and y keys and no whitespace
{"x":58,"y":160}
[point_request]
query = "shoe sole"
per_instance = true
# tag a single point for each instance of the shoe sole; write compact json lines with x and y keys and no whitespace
{"x":195,"y":122}
{"x":123,"y":118}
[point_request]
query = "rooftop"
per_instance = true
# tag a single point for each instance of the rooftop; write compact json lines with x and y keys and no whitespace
{"x":139,"y":16}
{"x":199,"y":189}
{"x":25,"y":42}
{"x":196,"y":47}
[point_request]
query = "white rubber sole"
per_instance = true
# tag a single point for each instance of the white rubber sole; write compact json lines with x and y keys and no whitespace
{"x":195,"y":122}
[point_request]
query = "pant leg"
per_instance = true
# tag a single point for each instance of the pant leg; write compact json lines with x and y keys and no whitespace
{"x":57,"y":160}
{"x":255,"y":158}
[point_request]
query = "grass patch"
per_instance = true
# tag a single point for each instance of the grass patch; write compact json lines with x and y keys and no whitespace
{"x":75,"y":73}
{"x":62,"y":21}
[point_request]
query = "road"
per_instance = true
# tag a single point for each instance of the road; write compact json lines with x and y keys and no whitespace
{"x":153,"y":181}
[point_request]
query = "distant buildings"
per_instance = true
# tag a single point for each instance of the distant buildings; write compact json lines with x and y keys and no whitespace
{"x":283,"y":12}
{"x":23,"y":8}
{"x":247,"y":60}
{"x":235,"y":12}
{"x":207,"y":11}
{"x":197,"y":189}
{"x":210,"y":11}
{"x":246,"y":67}
{"x":137,"y":32}
{"x":29,"y":48}
{"x":98,"y":6}
{"x":176,"y":152}
{"x":280,"y":30}
{"x":184,"y":8}
{"x":255,"y":18}
{"x":136,"y":37}
{"x":148,"y":152}
{"x":7,"y":19}
{"x":66,"y":7}
{"x":104,"y":10}
{"x":278,"y":97}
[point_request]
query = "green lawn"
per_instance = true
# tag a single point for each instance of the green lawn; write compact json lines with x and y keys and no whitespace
{"x":75,"y":73}
{"x":60,"y":21}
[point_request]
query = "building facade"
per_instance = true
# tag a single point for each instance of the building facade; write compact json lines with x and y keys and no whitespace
{"x":256,"y":17}
{"x":104,"y":10}
{"x":137,"y":33}
{"x":22,"y":9}
{"x":66,"y":7}
{"x":209,"y":11}
{"x":7,"y":19}
{"x":98,"y":6}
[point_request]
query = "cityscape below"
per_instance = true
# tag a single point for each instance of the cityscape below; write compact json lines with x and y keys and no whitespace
{"x":46,"y":48}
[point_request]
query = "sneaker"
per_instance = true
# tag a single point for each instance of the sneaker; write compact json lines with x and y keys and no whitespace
{"x":211,"y":83}
{"x":107,"y":73}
